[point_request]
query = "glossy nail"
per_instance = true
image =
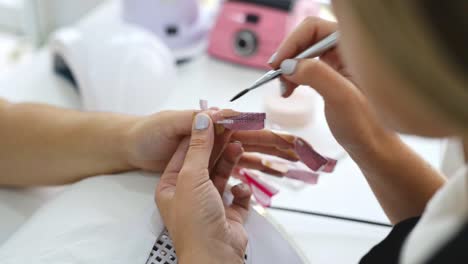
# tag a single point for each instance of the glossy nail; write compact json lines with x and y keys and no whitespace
{"x":289,"y":66}
{"x":202,"y":122}
{"x":273,"y":58}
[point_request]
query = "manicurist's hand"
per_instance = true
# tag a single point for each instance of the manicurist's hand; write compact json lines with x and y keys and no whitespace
{"x":402,"y":181}
{"x":347,"y":110}
{"x":203,"y":228}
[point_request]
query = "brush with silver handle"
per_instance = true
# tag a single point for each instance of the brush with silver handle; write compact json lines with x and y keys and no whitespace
{"x":314,"y":51}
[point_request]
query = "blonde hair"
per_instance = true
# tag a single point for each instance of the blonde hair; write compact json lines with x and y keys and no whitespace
{"x":406,"y":34}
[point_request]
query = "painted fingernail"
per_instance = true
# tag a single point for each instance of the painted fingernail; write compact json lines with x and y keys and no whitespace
{"x":289,"y":66}
{"x":202,"y":122}
{"x":272,"y":58}
{"x":283,"y":88}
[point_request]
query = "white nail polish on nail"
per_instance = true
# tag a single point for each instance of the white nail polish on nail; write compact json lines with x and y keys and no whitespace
{"x":202,"y":122}
{"x":272,"y":58}
{"x":283,"y":88}
{"x":289,"y":66}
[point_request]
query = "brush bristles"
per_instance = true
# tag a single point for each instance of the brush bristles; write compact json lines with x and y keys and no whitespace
{"x":239,"y":95}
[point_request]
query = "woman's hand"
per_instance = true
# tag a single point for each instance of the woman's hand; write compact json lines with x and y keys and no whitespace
{"x":151,"y":141}
{"x":347,"y":110}
{"x":402,"y":182}
{"x":203,"y":228}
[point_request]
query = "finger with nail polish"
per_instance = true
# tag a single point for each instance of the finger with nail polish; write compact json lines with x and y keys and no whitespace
{"x":273,"y":58}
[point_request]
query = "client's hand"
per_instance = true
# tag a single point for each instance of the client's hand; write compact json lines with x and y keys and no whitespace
{"x":151,"y":141}
{"x":203,"y":228}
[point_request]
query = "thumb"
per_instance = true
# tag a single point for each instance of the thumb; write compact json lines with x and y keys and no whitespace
{"x":200,"y":148}
{"x":330,"y":84}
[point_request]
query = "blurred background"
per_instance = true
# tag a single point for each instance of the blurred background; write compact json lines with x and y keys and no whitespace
{"x":26,"y":24}
{"x":143,"y":56}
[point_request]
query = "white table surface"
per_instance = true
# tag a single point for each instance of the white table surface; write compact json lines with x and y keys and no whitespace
{"x":345,"y":192}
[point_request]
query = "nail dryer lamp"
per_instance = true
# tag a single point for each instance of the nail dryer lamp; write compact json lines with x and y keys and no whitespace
{"x":182,"y":25}
{"x":116,"y":67}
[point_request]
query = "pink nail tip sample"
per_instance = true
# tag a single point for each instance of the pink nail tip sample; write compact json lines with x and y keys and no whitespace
{"x":262,"y":198}
{"x":243,"y":121}
{"x":304,"y":176}
{"x":293,"y":170}
{"x":262,"y":191}
{"x":203,"y":105}
{"x":309,"y":156}
{"x":255,"y":180}
{"x":330,"y":166}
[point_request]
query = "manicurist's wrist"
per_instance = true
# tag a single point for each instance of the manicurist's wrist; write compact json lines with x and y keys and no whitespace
{"x":379,"y":149}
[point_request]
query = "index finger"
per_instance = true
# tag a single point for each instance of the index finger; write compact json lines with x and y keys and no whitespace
{"x":311,"y":30}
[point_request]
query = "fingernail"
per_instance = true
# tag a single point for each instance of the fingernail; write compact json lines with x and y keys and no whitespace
{"x":272,"y":58}
{"x":289,"y":66}
{"x":244,"y":187}
{"x":241,"y":148}
{"x":277,"y":166}
{"x":292,"y":154}
{"x":202,"y":122}
{"x":283,"y":88}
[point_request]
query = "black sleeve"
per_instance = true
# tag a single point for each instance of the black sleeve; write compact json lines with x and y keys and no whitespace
{"x":388,"y":251}
{"x":456,"y":251}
